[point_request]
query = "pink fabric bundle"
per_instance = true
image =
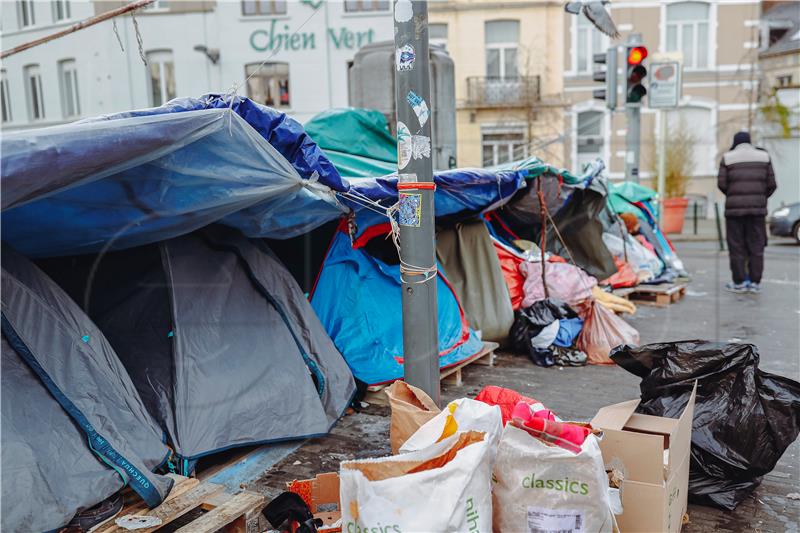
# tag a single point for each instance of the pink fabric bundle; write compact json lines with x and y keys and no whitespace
{"x":565,"y":282}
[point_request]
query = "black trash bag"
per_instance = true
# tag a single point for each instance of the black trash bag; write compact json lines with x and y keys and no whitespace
{"x":530,"y":321}
{"x":744,"y":419}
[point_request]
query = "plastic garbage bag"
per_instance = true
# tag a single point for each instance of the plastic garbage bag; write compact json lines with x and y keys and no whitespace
{"x":744,"y":418}
{"x":624,"y":277}
{"x":564,"y":282}
{"x":541,"y":487}
{"x":568,"y":331}
{"x":529,"y":323}
{"x":445,"y":487}
{"x":602,"y":331}
{"x":411,"y":409}
{"x":546,"y":337}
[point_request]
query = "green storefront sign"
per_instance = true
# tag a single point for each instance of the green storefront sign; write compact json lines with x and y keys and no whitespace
{"x":279,"y":37}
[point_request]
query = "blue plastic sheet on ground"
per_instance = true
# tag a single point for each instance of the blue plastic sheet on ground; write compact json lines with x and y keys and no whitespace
{"x":358,"y":300}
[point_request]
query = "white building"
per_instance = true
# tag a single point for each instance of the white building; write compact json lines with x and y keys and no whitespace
{"x":191,"y":47}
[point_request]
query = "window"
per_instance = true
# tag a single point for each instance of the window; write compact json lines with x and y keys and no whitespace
{"x":503,"y":145}
{"x":699,"y":121}
{"x":784,"y":81}
{"x":588,"y":41}
{"x":5,"y":97}
{"x":502,"y":38}
{"x":268,"y":85}
{"x":61,"y":10}
{"x":437,"y":34}
{"x":357,"y":6}
{"x":263,"y":7}
{"x":687,"y":32}
{"x":589,"y":138}
{"x":33,"y":84}
{"x":162,"y":77}
{"x":68,"y":79}
{"x":158,"y":5}
{"x":25,"y":13}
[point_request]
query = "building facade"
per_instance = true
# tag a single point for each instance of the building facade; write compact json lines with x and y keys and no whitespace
{"x":718,"y":40}
{"x":778,"y":127}
{"x":191,"y":48}
{"x":508,"y":75}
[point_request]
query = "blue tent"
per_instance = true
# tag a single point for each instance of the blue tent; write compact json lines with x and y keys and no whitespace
{"x":141,"y":177}
{"x":358,"y":299}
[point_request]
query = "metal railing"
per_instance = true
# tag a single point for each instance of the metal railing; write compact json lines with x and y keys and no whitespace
{"x":483,"y":91}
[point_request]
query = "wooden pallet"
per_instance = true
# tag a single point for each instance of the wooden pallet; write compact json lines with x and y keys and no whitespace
{"x":231,"y":513}
{"x":657,"y":295}
{"x":450,"y":375}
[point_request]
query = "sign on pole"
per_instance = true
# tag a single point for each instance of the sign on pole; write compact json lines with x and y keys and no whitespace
{"x":666,"y":82}
{"x":666,"y":85}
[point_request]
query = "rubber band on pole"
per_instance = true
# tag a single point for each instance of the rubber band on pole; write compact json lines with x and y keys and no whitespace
{"x":416,"y":185}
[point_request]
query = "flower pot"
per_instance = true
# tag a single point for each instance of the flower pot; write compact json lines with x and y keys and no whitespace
{"x":674,"y":213}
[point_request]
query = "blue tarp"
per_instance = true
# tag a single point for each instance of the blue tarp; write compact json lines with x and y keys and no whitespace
{"x":466,"y":192}
{"x":358,"y":300}
{"x":145,"y":176}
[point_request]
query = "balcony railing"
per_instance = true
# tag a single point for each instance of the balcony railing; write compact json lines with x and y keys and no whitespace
{"x":483,"y":91}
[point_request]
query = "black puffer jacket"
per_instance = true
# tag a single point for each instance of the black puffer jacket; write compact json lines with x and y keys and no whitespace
{"x":747,"y":179}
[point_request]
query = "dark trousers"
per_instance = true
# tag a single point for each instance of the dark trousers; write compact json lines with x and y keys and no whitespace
{"x":747,"y":237}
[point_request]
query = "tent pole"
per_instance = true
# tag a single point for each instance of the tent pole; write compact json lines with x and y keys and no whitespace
{"x":543,"y":239}
{"x":416,"y":189}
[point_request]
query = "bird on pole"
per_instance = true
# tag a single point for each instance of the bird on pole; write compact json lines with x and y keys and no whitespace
{"x":595,"y":11}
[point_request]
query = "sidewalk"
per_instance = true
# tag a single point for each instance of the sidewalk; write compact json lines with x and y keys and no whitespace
{"x":576,"y":393}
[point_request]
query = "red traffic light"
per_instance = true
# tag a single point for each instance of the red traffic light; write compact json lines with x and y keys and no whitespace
{"x":636,"y":55}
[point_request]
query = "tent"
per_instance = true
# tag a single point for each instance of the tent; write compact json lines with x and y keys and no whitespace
{"x":218,"y":338}
{"x":140,"y":177}
{"x":467,"y":254}
{"x":74,"y":429}
{"x":358,"y":299}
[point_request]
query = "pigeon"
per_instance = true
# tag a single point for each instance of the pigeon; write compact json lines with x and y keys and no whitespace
{"x":596,"y":13}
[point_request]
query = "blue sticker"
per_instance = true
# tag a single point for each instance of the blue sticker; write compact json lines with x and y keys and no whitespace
{"x":409,"y":212}
{"x":85,"y":339}
{"x":405,"y":58}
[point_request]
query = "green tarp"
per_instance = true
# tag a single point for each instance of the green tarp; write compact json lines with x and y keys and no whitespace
{"x":621,"y":196}
{"x":357,"y":141}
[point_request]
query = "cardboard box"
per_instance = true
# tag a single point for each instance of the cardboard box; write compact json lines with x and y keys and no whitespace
{"x":321,"y":494}
{"x":653,"y":454}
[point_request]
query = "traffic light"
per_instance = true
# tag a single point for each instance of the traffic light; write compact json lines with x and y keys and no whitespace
{"x":636,"y":74}
{"x":609,"y":76}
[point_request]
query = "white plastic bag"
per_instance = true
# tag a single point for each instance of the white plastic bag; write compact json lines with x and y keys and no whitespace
{"x":445,"y":487}
{"x":542,"y":488}
{"x":460,"y":415}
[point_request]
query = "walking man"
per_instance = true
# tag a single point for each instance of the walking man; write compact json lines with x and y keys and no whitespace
{"x":747,"y":180}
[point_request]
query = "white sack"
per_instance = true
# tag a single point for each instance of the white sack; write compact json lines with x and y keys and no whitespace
{"x":540,"y":488}
{"x":452,"y":494}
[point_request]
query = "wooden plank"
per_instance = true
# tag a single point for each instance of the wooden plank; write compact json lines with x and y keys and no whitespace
{"x":182,"y":485}
{"x":236,"y":507}
{"x":173,"y":508}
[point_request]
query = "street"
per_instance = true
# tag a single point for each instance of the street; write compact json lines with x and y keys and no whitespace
{"x":769,"y":320}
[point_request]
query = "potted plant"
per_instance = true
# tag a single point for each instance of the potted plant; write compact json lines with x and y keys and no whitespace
{"x":678,"y":166}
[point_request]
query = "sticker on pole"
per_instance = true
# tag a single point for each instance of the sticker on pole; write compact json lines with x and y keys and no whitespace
{"x":403,"y":10}
{"x":405,"y":57}
{"x":406,"y":178}
{"x":419,"y":106}
{"x":404,"y":145}
{"x":665,"y":85}
{"x":420,"y":146}
{"x":409,"y":212}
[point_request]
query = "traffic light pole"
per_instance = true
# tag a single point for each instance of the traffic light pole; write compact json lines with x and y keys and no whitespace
{"x":633,"y":141}
{"x":633,"y":113}
{"x":415,"y":215}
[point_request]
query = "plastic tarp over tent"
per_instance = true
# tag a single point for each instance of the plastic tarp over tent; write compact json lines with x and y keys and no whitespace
{"x":74,"y":429}
{"x":143,"y":176}
{"x":218,"y":338}
{"x":358,"y":299}
{"x":357,"y":141}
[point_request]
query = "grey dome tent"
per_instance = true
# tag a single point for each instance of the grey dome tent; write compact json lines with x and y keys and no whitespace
{"x":219,"y":339}
{"x":74,"y":429}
